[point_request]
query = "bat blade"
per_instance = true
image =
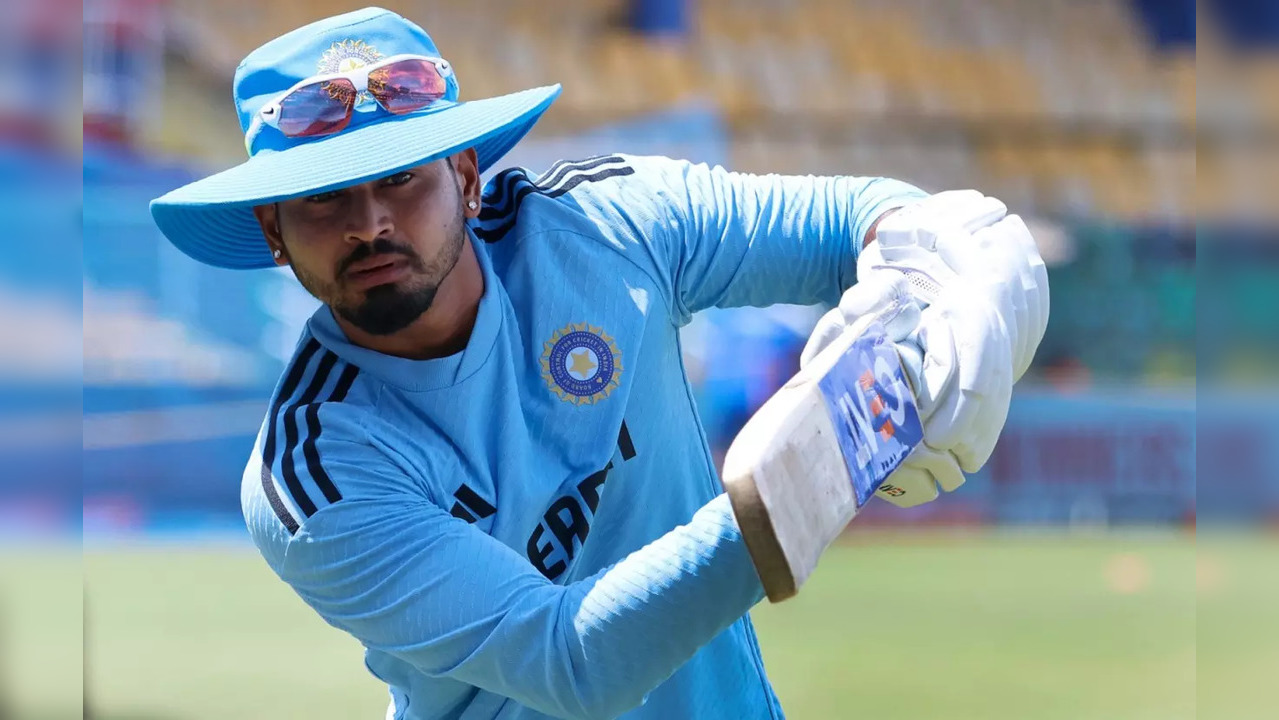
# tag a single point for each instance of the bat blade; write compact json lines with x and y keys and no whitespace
{"x":815,"y":453}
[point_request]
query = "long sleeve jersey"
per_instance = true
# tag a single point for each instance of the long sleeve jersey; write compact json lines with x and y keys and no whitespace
{"x":533,"y":527}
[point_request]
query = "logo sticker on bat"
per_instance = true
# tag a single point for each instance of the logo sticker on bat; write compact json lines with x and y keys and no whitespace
{"x":873,"y":410}
{"x":890,"y":489}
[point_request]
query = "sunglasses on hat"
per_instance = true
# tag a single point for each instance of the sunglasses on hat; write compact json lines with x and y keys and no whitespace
{"x":324,"y":104}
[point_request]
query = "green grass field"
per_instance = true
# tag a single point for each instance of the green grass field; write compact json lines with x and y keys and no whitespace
{"x":992,"y":626}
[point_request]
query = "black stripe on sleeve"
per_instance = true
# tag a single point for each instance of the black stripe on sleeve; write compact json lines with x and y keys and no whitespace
{"x":344,"y":383}
{"x":562,"y":172}
{"x":495,"y":204}
{"x":460,"y":513}
{"x":501,"y":202}
{"x":268,"y":446}
{"x":579,"y":179}
{"x":554,"y":168}
{"x":495,"y":233}
{"x":624,"y":442}
{"x":286,"y":391}
{"x":507,"y":216}
{"x":277,"y":505}
{"x":473,"y":501}
{"x":313,"y":429}
{"x":287,"y":465}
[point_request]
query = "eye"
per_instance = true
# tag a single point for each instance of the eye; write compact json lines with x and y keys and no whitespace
{"x":323,"y":197}
{"x":399,"y":178}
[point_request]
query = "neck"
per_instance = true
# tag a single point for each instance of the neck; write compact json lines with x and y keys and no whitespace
{"x":442,"y":330}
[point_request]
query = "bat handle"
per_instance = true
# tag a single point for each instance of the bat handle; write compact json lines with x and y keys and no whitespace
{"x":912,"y":363}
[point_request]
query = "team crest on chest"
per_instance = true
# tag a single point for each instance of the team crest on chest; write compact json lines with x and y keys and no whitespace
{"x":581,"y":364}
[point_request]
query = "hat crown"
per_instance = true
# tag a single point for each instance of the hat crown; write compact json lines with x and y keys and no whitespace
{"x":212,"y":219}
{"x":335,"y":44}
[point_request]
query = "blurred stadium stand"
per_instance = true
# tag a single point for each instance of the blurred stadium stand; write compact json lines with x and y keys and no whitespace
{"x":1081,"y":114}
{"x":1063,"y":106}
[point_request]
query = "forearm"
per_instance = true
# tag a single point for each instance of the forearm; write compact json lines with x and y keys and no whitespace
{"x":760,"y":240}
{"x":597,"y":647}
{"x":422,"y":586}
{"x":639,"y":621}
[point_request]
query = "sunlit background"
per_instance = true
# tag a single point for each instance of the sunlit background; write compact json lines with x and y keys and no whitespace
{"x":1066,"y":580}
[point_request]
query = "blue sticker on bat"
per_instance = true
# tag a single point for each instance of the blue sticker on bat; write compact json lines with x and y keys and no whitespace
{"x":873,"y":410}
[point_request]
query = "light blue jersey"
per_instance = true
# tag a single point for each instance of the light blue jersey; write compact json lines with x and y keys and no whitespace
{"x":534,"y":527}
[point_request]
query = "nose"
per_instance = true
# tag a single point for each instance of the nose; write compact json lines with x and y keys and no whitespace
{"x":368,"y":218}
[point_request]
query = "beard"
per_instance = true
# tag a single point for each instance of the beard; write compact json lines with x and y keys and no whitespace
{"x":387,"y":309}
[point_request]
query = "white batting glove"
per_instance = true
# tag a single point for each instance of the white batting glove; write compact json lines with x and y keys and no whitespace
{"x":978,"y":268}
{"x":964,"y":234}
{"x":979,"y":277}
{"x":886,"y":298}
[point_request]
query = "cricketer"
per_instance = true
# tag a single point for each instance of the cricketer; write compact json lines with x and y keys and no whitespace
{"x":483,"y":460}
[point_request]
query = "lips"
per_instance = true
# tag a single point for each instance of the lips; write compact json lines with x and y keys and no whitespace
{"x":371,"y":263}
{"x":377,"y":270}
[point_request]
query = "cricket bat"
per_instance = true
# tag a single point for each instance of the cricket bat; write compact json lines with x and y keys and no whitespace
{"x":817,"y":451}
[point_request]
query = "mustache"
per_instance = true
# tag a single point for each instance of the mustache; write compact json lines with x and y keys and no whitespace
{"x":380,"y":246}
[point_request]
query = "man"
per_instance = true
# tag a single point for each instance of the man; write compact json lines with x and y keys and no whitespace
{"x":484,"y":461}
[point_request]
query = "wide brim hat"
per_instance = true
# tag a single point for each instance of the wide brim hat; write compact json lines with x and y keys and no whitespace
{"x":212,"y":219}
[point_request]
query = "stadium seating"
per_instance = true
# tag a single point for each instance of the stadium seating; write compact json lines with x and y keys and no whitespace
{"x":1064,"y":105}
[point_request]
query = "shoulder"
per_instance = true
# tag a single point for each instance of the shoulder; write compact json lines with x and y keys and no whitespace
{"x":315,"y":447}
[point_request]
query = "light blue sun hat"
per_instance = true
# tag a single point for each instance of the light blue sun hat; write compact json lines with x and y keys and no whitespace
{"x":212,"y":219}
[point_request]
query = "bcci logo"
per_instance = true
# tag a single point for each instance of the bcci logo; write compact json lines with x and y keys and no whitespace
{"x":581,"y":364}
{"x":346,"y":56}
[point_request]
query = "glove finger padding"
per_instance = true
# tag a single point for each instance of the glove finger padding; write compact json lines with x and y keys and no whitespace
{"x":908,"y":486}
{"x":1013,"y":238}
{"x":966,"y":382}
{"x":920,"y":476}
{"x":1010,"y":283}
{"x":943,"y":466}
{"x":1003,"y":261}
{"x":1039,"y":297}
{"x":1034,"y":272}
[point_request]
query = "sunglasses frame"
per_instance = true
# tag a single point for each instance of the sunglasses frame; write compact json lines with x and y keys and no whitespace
{"x":269,"y":114}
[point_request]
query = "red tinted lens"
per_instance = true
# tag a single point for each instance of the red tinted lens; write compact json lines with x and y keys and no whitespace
{"x":317,"y":109}
{"x":407,"y":85}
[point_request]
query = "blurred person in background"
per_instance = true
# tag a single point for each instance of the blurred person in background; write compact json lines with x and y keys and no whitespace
{"x":495,"y":374}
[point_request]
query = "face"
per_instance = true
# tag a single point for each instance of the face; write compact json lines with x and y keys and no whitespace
{"x":376,"y":253}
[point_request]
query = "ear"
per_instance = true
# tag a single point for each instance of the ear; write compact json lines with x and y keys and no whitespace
{"x":467,"y":167}
{"x":268,"y":217}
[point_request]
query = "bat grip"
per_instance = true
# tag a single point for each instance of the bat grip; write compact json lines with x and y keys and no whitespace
{"x":912,"y":359}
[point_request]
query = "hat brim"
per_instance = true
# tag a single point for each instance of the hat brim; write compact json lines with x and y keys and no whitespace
{"x":212,"y":219}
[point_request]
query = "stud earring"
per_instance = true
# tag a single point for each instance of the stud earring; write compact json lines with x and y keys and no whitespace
{"x":276,"y":253}
{"x":472,"y":204}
